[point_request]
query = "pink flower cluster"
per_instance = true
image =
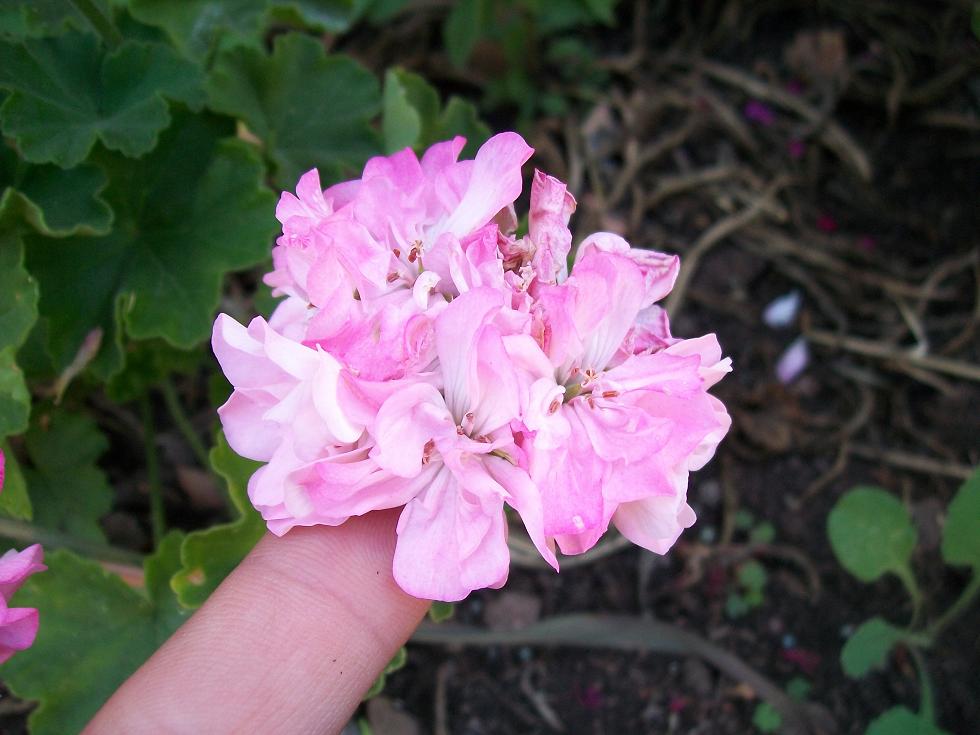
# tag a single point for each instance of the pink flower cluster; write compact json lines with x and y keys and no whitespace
{"x":428,"y":356}
{"x":18,"y":625}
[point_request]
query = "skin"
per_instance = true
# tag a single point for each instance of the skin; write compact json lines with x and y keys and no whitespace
{"x":289,"y":643}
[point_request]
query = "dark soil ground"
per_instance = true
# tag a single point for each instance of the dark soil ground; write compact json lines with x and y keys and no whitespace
{"x":874,"y":220}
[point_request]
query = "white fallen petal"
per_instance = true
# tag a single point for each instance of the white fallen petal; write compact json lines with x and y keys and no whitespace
{"x":781,"y":312}
{"x":793,"y":361}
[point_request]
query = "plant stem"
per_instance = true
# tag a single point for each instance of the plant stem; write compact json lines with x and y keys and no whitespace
{"x":183,"y":423}
{"x":927,"y":707}
{"x":158,"y":521}
{"x":100,"y":21}
{"x":966,"y":598}
{"x":904,"y":573}
{"x":52,"y":539}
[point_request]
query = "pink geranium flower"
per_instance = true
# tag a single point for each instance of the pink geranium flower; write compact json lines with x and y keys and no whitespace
{"x":18,"y":625}
{"x":426,"y":357}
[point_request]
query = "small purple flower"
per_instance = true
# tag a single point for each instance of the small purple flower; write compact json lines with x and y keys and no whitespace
{"x":759,"y":112}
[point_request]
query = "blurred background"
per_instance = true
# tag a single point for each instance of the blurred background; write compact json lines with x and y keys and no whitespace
{"x":815,"y":164}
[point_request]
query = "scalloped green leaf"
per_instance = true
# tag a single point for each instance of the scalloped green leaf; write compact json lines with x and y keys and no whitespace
{"x":148,"y":364}
{"x":14,"y":500}
{"x":18,"y":313}
{"x":197,"y":27}
{"x":902,"y":721}
{"x":871,"y":533}
{"x":95,"y":631}
{"x":18,"y":294}
{"x":868,"y":647}
{"x":34,"y":18}
{"x":15,"y":401}
{"x":398,"y":662}
{"x":310,"y":109}
{"x":51,"y":200}
{"x":69,"y":490}
{"x":961,"y":534}
{"x":412,"y":115}
{"x":208,"y":556}
{"x":68,"y":92}
{"x":188,"y":213}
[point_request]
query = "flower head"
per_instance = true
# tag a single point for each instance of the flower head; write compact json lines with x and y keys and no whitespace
{"x":426,"y":356}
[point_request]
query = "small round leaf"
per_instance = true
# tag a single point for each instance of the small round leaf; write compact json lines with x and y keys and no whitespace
{"x":868,"y":647}
{"x":902,"y":721}
{"x":871,"y":533}
{"x":961,"y":535}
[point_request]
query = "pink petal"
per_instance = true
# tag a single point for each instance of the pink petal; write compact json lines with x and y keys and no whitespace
{"x":654,"y":523}
{"x":18,"y":629}
{"x":551,"y":208}
{"x":406,"y":422}
{"x":16,"y":566}
{"x":457,"y":333}
{"x":525,"y":498}
{"x":494,"y":183}
{"x":450,"y":542}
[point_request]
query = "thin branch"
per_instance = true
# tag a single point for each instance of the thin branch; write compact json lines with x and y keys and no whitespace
{"x":877,"y":350}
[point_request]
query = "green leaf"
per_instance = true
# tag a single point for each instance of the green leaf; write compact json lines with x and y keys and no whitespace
{"x":440,"y":611}
{"x":752,"y":576}
{"x":18,"y":294}
{"x":871,"y":533}
{"x":95,"y":631}
{"x":19,"y":19}
{"x":798,"y":688}
{"x":15,"y":401}
{"x":463,"y":28}
{"x":961,"y":534}
{"x":736,"y":606}
{"x":602,"y":10}
{"x":868,"y":647}
{"x":197,"y":27}
{"x":764,"y":533}
{"x":401,"y":121}
{"x":18,"y":313}
{"x":67,"y":92}
{"x":207,"y":557}
{"x":412,"y":116}
{"x":188,"y":213}
{"x":766,"y":718}
{"x":902,"y":721}
{"x":460,"y":118}
{"x":149,"y":363}
{"x":14,"y":500}
{"x":53,"y":201}
{"x":396,"y":663}
{"x":309,"y":109}
{"x":69,"y":491}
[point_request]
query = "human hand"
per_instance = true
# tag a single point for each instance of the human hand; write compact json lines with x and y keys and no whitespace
{"x":289,"y":643}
